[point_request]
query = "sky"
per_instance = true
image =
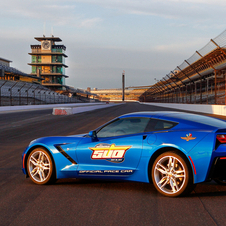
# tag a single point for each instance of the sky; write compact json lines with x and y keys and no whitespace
{"x":145,"y":38}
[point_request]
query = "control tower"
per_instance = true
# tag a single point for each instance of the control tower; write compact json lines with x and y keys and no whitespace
{"x":48,"y":62}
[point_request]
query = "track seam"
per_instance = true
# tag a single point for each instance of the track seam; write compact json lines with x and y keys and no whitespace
{"x":214,"y":221}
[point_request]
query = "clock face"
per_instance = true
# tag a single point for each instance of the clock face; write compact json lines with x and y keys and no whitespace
{"x":46,"y":45}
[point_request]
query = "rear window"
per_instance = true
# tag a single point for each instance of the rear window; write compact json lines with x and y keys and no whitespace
{"x":157,"y":124}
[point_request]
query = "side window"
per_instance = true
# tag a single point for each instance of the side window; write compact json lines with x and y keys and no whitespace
{"x":156,"y":124}
{"x":124,"y":126}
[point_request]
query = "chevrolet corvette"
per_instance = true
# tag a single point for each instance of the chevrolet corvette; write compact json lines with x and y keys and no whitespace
{"x":172,"y":150}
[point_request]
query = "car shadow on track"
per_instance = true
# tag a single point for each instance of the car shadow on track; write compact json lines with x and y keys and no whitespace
{"x":208,"y":194}
{"x":209,"y":189}
{"x":108,"y":184}
{"x":201,"y":190}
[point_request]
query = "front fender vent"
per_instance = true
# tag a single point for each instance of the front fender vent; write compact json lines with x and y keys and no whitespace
{"x":60,"y":149}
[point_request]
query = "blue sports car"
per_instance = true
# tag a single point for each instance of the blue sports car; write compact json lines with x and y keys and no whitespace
{"x":173,"y":150}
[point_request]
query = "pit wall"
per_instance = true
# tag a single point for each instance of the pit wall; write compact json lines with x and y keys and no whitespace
{"x":204,"y":108}
{"x":46,"y":106}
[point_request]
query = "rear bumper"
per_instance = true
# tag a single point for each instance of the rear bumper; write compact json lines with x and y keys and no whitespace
{"x":218,"y":169}
{"x":218,"y":163}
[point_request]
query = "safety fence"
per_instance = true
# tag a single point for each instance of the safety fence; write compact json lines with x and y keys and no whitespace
{"x":23,"y":93}
{"x":191,"y":93}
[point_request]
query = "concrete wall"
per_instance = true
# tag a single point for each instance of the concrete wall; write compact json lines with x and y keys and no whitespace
{"x":204,"y":108}
{"x":46,"y":106}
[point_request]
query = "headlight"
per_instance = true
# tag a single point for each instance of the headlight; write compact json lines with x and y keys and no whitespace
{"x":33,"y":141}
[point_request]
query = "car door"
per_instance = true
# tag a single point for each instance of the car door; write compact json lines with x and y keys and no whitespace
{"x":115,"y":151}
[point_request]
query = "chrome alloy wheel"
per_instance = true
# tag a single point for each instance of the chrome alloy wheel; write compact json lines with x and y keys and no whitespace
{"x":39,"y":166}
{"x":169,"y":175}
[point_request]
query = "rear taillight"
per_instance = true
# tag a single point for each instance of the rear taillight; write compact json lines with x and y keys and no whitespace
{"x":221,"y":138}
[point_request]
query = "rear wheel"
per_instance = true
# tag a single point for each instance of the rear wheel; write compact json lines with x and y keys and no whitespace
{"x":171,"y":174}
{"x":40,"y":166}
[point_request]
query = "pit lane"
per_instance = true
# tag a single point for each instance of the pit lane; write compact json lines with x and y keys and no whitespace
{"x":88,"y":202}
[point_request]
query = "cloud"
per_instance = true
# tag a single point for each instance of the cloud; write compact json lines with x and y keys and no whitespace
{"x":89,"y":22}
{"x":76,"y":13}
{"x":163,"y":8}
{"x":54,"y":12}
{"x":55,"y":8}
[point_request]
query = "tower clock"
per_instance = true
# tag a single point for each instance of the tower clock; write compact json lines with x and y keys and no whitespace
{"x":46,"y":45}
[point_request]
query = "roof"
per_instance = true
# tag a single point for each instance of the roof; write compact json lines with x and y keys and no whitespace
{"x":16,"y":71}
{"x":55,"y":39}
{"x":11,"y":70}
{"x":2,"y":59}
{"x":193,"y":120}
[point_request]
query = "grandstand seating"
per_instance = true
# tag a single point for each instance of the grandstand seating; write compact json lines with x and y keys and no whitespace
{"x":23,"y":93}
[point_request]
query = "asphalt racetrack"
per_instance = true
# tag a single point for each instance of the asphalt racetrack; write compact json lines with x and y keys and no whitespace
{"x":90,"y":202}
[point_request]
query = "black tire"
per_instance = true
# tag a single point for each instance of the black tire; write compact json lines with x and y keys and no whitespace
{"x":40,"y":166}
{"x":171,"y":175}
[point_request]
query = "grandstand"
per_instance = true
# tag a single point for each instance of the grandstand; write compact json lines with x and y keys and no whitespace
{"x":201,"y":79}
{"x":10,"y":73}
{"x":19,"y":88}
{"x":24,"y":93}
{"x":131,"y":93}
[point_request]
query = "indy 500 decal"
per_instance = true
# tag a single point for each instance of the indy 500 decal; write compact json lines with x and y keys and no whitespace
{"x":110,"y":153}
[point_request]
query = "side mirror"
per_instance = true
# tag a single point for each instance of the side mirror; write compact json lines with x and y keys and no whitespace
{"x":93,"y":134}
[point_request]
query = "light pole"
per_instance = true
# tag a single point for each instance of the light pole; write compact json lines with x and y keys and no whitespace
{"x":123,"y":86}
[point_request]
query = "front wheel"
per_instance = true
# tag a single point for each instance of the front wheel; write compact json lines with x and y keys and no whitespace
{"x":171,"y":175}
{"x":40,"y":166}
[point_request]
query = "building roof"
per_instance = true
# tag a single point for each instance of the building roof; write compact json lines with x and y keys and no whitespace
{"x":2,"y":59}
{"x":52,"y":38}
{"x":16,"y":71}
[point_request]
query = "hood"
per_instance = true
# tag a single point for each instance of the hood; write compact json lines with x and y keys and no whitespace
{"x":58,"y":140}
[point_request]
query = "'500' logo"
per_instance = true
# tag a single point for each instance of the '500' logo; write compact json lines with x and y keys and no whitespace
{"x":109,"y":152}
